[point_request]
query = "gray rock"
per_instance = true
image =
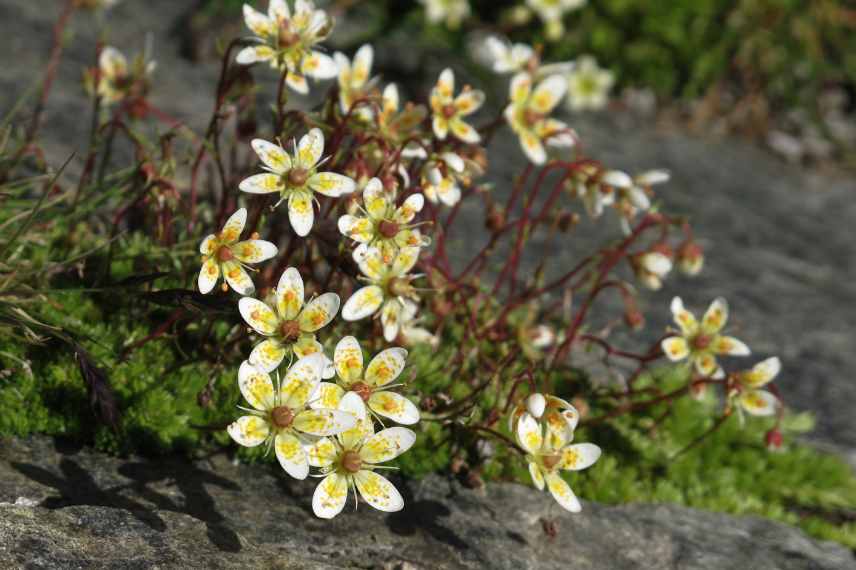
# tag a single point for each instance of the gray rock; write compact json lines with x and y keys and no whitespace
{"x":95,"y":511}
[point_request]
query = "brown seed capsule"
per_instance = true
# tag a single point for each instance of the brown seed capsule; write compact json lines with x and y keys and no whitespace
{"x":289,"y":330}
{"x":297,"y":176}
{"x":363,"y":390}
{"x":224,"y":253}
{"x":282,"y":416}
{"x":352,"y":462}
{"x":388,"y":229}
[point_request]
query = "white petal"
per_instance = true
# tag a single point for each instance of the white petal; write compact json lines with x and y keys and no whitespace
{"x":289,"y":294}
{"x":529,"y":433}
{"x":330,"y":496}
{"x":378,"y":491}
{"x":208,"y":275}
{"x":579,"y":456}
{"x":256,"y":386}
{"x":291,"y":455}
{"x":395,"y":407}
{"x":319,"y":312}
{"x":348,"y":359}
{"x":386,"y":366}
{"x":300,"y":213}
{"x":561,"y":491}
{"x":310,"y":148}
{"x":387,"y":444}
{"x":249,"y":431}
{"x":363,"y":303}
{"x":272,"y":155}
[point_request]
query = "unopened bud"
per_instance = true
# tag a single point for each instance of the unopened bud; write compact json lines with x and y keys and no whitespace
{"x":535,"y":405}
{"x":495,"y":219}
{"x":690,"y":258}
{"x":567,"y":221}
{"x":773,"y":439}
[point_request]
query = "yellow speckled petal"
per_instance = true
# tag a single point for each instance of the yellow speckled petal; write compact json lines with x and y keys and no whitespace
{"x":406,"y":212}
{"x":547,"y":94}
{"x":237,"y":278}
{"x":405,"y":260}
{"x":445,"y":86}
{"x":257,"y":22}
{"x":529,"y":433}
{"x":297,"y":82}
{"x":289,"y":294}
{"x":520,"y":87}
{"x":268,"y":355}
{"x":372,"y":264}
{"x":208,"y":275}
{"x":254,"y":54}
{"x":330,"y":496}
{"x":532,"y":146}
{"x":378,"y":492}
{"x":273,"y":156}
{"x":348,"y":360}
{"x":324,"y":422}
{"x":537,"y":476}
{"x":675,"y":348}
{"x":353,"y":404}
{"x":327,"y":396}
{"x":395,"y":407}
{"x":375,"y":199}
{"x":332,"y":184}
{"x":254,"y":250}
{"x":265,"y":183}
{"x":579,"y":456}
{"x":758,"y":402}
{"x":464,"y":131}
{"x":256,"y":386}
{"x":358,"y":229}
{"x":362,"y":67}
{"x":468,"y":102}
{"x":233,"y":227}
{"x":322,"y":453}
{"x":300,"y":213}
{"x":683,"y":318}
{"x":762,"y":373}
{"x":387,"y":444}
{"x":730,"y":346}
{"x":291,"y":455}
{"x":301,"y":380}
{"x":716,"y":316}
{"x":363,"y":303}
{"x":258,"y":315}
{"x":209,"y":245}
{"x":249,"y":431}
{"x":706,"y":365}
{"x":306,"y":345}
{"x":561,"y":491}
{"x":386,"y":366}
{"x":390,"y":318}
{"x":310,"y":148}
{"x":319,"y":312}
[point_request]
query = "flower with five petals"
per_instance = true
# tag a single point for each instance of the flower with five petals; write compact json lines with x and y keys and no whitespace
{"x":371,"y":384}
{"x":528,"y":111}
{"x":223,"y":254}
{"x":296,"y":177}
{"x":280,"y":416}
{"x":350,"y":459}
{"x":449,"y":111}
{"x":288,"y":325}
{"x":700,"y":343}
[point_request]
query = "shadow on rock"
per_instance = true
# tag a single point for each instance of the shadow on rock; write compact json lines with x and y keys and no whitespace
{"x":423,"y":515}
{"x":77,"y":487}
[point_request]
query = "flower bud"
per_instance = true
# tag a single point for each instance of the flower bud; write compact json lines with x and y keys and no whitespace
{"x":690,"y":258}
{"x":773,"y":439}
{"x":535,"y":405}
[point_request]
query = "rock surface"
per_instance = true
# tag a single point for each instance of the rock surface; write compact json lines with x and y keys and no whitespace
{"x":779,"y":240}
{"x":80,"y":509}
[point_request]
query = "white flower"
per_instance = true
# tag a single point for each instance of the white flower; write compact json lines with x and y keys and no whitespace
{"x":700,"y":343}
{"x":223,"y":254}
{"x":440,"y":182}
{"x":372,"y":385}
{"x":384,"y":225}
{"x":449,"y":12}
{"x":350,"y":459}
{"x":117,"y":79}
{"x":633,"y":193}
{"x":547,"y":457}
{"x":559,"y":417}
{"x":410,"y":332}
{"x":748,"y":392}
{"x":527,"y":114}
{"x":505,"y":57}
{"x":289,"y":326}
{"x":588,"y":85}
{"x":354,"y":81}
{"x":397,"y":125}
{"x":389,"y":289}
{"x":551,"y":13}
{"x":651,"y":268}
{"x":296,"y":177}
{"x":286,"y":41}
{"x":449,"y":110}
{"x":281,"y":418}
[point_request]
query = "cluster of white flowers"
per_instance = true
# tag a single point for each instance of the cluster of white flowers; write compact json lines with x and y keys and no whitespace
{"x":699,"y":344}
{"x":544,"y":428}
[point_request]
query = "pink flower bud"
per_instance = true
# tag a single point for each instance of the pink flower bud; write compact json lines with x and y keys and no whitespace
{"x":773,"y":439}
{"x":690,"y":258}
